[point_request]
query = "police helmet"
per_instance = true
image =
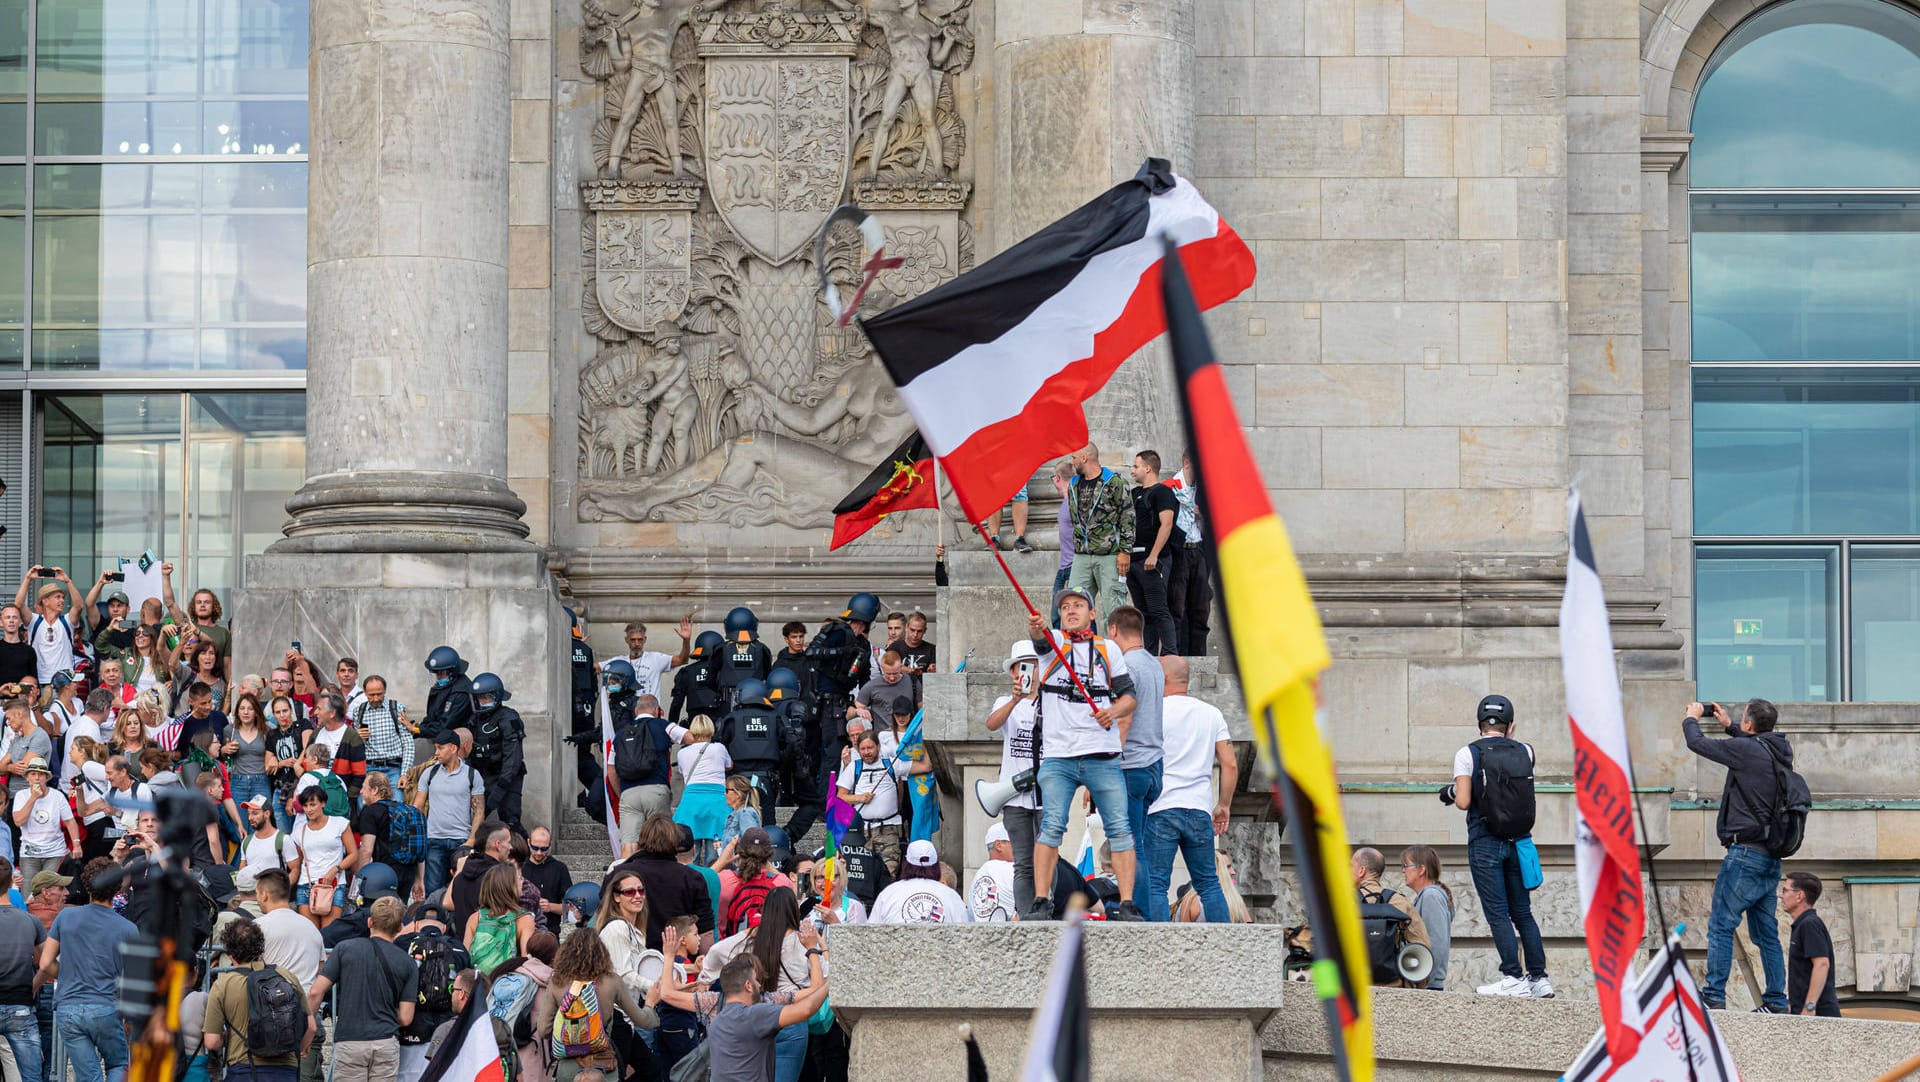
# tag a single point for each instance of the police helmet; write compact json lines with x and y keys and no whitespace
{"x":378,"y":881}
{"x":751,"y":691}
{"x":488,"y":686}
{"x":862,"y":607}
{"x":444,"y":659}
{"x":617,"y":675}
{"x":584,"y":899}
{"x":741,"y":619}
{"x":707,"y":642}
{"x":785,"y":681}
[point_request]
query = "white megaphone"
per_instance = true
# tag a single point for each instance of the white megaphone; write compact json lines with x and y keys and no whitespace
{"x":1415,"y":963}
{"x":993,"y":795}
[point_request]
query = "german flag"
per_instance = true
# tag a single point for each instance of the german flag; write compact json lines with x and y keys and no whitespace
{"x":1279,"y":650}
{"x":904,"y":481}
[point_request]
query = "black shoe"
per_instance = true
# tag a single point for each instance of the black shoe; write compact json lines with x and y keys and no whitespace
{"x":1712,"y":1005}
{"x":1124,"y":911}
{"x":1764,"y":1009}
{"x":1020,"y":542}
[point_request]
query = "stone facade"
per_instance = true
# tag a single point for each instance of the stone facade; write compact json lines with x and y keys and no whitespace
{"x":1470,"y":221}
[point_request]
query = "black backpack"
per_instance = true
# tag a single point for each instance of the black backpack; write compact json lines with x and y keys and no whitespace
{"x":635,"y":755}
{"x":276,"y":1014}
{"x":1503,"y":786}
{"x":439,"y":959}
{"x":1386,"y":931}
{"x":1792,"y":801}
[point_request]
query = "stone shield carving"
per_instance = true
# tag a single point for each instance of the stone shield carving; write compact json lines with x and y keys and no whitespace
{"x":777,"y":127}
{"x":643,"y":266}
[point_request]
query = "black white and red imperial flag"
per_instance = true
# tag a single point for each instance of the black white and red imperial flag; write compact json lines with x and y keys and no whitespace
{"x":996,"y":364}
{"x":902,"y":482}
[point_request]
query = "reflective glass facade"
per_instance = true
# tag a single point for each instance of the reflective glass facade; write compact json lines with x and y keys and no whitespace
{"x":153,"y":187}
{"x":1805,"y":208}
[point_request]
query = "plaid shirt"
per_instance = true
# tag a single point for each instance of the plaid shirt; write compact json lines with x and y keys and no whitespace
{"x":1102,"y":513}
{"x":387,"y":739}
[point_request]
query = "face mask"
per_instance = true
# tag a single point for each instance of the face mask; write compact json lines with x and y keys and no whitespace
{"x":444,"y":680}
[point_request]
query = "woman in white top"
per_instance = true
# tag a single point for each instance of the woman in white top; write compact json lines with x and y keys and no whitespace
{"x":327,"y":854}
{"x":148,"y":667}
{"x":89,"y":790}
{"x":622,"y":923}
{"x":703,"y":767}
{"x":48,"y":833}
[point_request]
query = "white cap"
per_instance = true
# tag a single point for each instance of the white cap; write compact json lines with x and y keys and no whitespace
{"x":1022,"y":651}
{"x":997,"y":833}
{"x":921,"y":854}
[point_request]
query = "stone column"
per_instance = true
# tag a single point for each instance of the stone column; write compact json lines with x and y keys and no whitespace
{"x":1086,"y":90}
{"x":407,"y":281}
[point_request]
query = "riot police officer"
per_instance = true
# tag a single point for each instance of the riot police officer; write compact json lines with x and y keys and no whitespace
{"x":696,"y":687}
{"x":499,"y":738}
{"x":617,"y":677}
{"x":800,"y":736}
{"x":585,"y":699}
{"x":843,"y":661}
{"x":751,"y":734}
{"x":744,"y":657}
{"x":450,"y":702}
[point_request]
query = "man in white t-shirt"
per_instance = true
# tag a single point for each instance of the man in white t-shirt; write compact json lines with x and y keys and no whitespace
{"x":48,"y":833}
{"x":51,"y":628}
{"x":870,"y":787}
{"x":267,"y":846}
{"x":91,"y":724}
{"x":1187,"y":815}
{"x":918,"y":896}
{"x":650,"y":667}
{"x":1012,"y":717}
{"x":991,"y":894}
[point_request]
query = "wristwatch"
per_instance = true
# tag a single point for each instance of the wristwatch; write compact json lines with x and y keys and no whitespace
{"x":811,"y":951}
{"x":1812,"y":1006}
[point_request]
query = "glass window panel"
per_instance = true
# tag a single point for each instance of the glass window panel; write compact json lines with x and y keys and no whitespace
{"x":273,"y":349}
{"x":1886,"y":623}
{"x":256,"y":47}
{"x":130,"y":187}
{"x":13,"y":77}
{"x":157,"y":128}
{"x":255,"y":127}
{"x":89,"y":349}
{"x":13,"y":249}
{"x":115,"y":270}
{"x":1767,"y":622}
{"x":248,"y":457}
{"x":108,"y":49}
{"x":1791,"y":278}
{"x":254,"y":268}
{"x":1795,"y":452}
{"x":110,"y":477}
{"x":1814,"y":93}
{"x":257,"y":185}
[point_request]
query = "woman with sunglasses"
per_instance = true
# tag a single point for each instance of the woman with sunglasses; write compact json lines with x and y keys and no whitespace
{"x":147,"y":667}
{"x":622,"y":926}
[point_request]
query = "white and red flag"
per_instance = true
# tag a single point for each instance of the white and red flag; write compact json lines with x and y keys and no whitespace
{"x":609,"y":780}
{"x":470,"y":1053}
{"x":1606,"y":861}
{"x":1678,"y":1040}
{"x":996,"y":365}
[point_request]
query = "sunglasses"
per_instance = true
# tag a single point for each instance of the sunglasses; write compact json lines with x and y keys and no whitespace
{"x":540,"y":848}
{"x":631,"y":892}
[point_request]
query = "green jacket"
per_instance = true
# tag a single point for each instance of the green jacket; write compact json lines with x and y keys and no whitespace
{"x":1102,"y":514}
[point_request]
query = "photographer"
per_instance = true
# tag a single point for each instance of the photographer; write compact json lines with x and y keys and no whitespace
{"x":1493,"y":784}
{"x":51,"y":630}
{"x":1012,"y":718}
{"x":1749,"y":873}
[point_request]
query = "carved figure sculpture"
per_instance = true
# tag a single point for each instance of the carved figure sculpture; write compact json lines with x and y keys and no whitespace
{"x":640,"y":48}
{"x":911,"y":39}
{"x":664,"y":378}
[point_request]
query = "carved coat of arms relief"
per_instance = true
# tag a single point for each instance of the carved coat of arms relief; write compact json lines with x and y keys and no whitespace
{"x":721,"y":391}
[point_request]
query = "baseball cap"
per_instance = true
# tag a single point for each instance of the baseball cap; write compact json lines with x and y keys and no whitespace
{"x":245,"y":880}
{"x":1022,"y":651}
{"x":1495,"y":708}
{"x":1071,"y":591}
{"x":756,"y":837}
{"x":61,"y":679}
{"x":921,"y":854}
{"x":429,"y":911}
{"x":447,"y":736}
{"x":257,"y":800}
{"x":120,"y":596}
{"x":997,"y":833}
{"x":903,"y":706}
{"x":48,"y":878}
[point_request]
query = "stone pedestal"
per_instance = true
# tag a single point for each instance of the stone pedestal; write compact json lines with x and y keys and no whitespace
{"x":405,"y":535}
{"x":1167,"y":1003}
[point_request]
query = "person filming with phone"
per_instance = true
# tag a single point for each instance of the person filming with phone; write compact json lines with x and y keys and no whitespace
{"x":1012,"y":718}
{"x":1757,"y":758}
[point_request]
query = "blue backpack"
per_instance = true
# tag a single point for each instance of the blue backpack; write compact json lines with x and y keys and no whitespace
{"x":406,"y":832}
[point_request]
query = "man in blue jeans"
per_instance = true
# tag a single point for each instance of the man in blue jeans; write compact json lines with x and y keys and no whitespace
{"x":84,"y":1011}
{"x":1086,"y":700}
{"x":1749,"y":874}
{"x":20,"y":938}
{"x":1140,"y":756}
{"x":453,"y":795}
{"x":1498,"y":768}
{"x":1186,"y":816}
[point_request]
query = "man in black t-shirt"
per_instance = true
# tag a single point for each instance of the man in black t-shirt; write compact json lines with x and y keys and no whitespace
{"x":20,"y":939}
{"x":1155,"y":537}
{"x":373,"y":825}
{"x":913,"y":647}
{"x":1810,"y":951}
{"x":552,"y":878}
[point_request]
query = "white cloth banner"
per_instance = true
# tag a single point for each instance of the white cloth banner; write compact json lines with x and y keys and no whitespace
{"x":1673,"y":1027}
{"x":140,"y":585}
{"x":610,"y":783}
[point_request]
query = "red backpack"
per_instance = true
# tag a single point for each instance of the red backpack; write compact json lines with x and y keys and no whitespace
{"x":748,"y":900}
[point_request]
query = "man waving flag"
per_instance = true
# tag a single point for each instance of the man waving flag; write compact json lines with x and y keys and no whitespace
{"x":1279,"y":649}
{"x":996,"y":364}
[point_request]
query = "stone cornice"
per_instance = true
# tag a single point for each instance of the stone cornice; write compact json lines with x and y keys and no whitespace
{"x":1662,"y":152}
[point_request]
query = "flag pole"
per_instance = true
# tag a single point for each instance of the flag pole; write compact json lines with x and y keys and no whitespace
{"x":1326,"y":934}
{"x":939,"y":511}
{"x":1058,"y":654}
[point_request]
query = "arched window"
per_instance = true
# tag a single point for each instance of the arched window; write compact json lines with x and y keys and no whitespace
{"x":1805,"y":293}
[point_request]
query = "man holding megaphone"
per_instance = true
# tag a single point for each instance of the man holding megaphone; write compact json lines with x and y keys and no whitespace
{"x":1397,"y":939}
{"x":1015,"y":796}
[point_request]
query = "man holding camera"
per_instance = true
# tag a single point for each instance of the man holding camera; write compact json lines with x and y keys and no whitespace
{"x":1493,"y":784}
{"x":1012,"y":718}
{"x":1749,"y":873}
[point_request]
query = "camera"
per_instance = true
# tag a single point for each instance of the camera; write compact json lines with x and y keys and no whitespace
{"x":1447,"y":794}
{"x":43,"y":572}
{"x":115,"y":576}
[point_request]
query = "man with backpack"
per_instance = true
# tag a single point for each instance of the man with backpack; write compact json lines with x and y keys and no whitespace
{"x":1762,"y":814}
{"x":267,"y":846}
{"x":1493,"y":784}
{"x":1388,"y":919}
{"x":258,"y":1016}
{"x":379,"y":988}
{"x":640,"y":760}
{"x":391,"y":833}
{"x":438,"y":958}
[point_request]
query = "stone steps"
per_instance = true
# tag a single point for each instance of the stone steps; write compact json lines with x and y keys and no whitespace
{"x":581,"y":843}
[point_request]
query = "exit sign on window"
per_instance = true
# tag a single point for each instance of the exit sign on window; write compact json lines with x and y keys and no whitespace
{"x":1747,"y":629}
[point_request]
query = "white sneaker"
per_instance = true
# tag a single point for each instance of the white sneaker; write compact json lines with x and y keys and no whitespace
{"x":1508,"y":986}
{"x":1540,"y":989}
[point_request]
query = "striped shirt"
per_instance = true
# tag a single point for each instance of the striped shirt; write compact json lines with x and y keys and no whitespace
{"x":387,"y":739}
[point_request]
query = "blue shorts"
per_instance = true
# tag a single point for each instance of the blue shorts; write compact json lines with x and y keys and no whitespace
{"x":1020,"y":496}
{"x":302,"y":892}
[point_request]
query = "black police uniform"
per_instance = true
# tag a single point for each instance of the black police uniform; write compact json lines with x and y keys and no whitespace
{"x":751,"y":733}
{"x":696,"y":691}
{"x":499,"y":753}
{"x":586,"y":699}
{"x":449,"y":707}
{"x":741,"y":660}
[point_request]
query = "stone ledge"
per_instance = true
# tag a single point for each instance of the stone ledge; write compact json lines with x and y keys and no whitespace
{"x":984,"y":967}
{"x":1492,"y":1037}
